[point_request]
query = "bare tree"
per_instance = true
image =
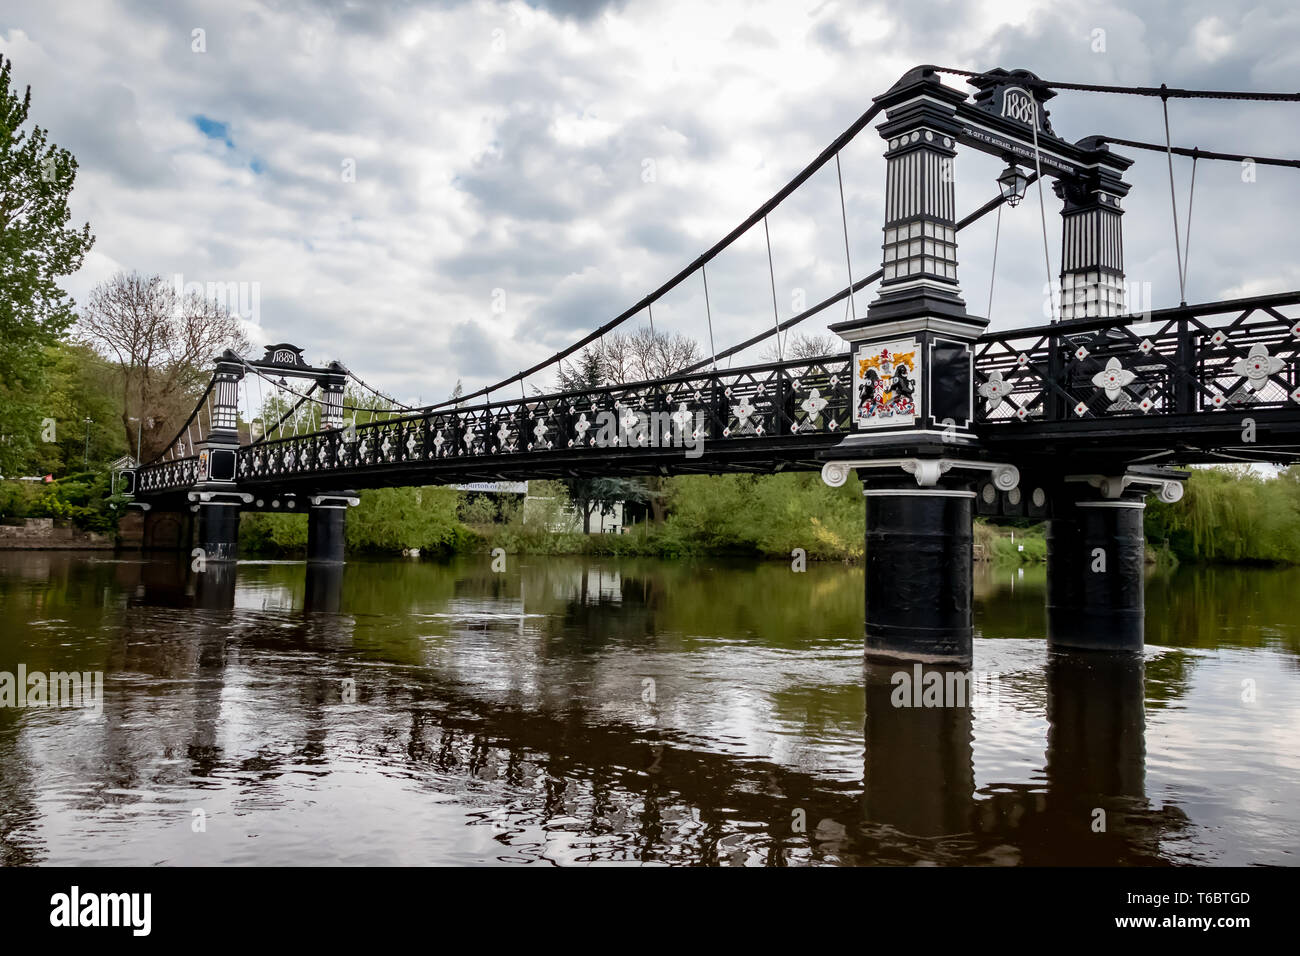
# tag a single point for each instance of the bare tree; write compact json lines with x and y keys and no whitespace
{"x":803,"y":346}
{"x":621,"y":358}
{"x":164,"y":344}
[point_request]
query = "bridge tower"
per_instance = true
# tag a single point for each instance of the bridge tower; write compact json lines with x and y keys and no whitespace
{"x":912,"y":358}
{"x":215,"y":496}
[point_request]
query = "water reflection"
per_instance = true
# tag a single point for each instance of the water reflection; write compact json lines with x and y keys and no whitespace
{"x":571,"y":711}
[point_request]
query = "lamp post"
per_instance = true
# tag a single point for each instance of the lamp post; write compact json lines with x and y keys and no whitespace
{"x":1013,"y":183}
{"x":85,"y":458}
{"x":138,"y":426}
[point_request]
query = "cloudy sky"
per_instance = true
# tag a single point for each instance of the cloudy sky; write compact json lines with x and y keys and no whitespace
{"x":434,"y":191}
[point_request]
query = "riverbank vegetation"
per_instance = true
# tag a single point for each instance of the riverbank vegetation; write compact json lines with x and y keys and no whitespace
{"x":1226,"y":515}
{"x":1232,"y":515}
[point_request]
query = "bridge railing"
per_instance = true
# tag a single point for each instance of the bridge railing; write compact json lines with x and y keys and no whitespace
{"x":166,"y":475}
{"x":1242,"y":353}
{"x":772,"y":401}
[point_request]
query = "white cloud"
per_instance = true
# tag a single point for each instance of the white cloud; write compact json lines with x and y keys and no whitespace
{"x":503,"y":145}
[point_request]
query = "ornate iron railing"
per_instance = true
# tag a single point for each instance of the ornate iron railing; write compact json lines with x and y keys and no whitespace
{"x":1238,"y":354}
{"x":167,"y":475}
{"x":793,"y":398}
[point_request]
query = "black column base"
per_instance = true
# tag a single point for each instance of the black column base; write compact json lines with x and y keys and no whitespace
{"x":1096,"y":555}
{"x":324,"y":586}
{"x":919,"y":573}
{"x":219,"y":529}
{"x":326,"y":526}
{"x":918,"y":770}
{"x":215,"y":586}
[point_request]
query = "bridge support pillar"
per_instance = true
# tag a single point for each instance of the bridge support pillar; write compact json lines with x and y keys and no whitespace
{"x":1096,"y":561}
{"x":218,"y":532}
{"x":920,"y":553}
{"x":326,"y":525}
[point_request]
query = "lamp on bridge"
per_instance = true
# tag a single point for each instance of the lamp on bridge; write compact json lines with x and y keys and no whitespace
{"x":1013,"y":182}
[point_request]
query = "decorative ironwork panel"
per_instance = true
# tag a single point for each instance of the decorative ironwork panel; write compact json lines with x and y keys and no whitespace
{"x":1170,"y":362}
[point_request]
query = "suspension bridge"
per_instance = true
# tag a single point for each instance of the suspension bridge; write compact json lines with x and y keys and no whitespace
{"x":1075,"y":421}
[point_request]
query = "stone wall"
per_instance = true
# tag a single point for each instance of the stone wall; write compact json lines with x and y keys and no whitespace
{"x":46,"y":534}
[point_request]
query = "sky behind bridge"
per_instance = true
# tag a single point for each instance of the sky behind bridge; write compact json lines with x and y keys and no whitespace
{"x":434,"y":191}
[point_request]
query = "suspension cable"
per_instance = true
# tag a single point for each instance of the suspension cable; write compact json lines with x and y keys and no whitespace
{"x":1161,"y":91}
{"x":858,"y":286}
{"x":830,"y":151}
{"x":1202,"y":153}
{"x":844,"y":219}
{"x":1187,"y":246}
{"x":170,"y":448}
{"x":771,"y":272}
{"x":1042,"y":213}
{"x":997,"y":232}
{"x":370,"y":388}
{"x":708,"y":256}
{"x":1173,"y":201}
{"x":709,"y":313}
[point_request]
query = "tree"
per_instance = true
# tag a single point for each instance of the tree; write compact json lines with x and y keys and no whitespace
{"x":622,"y":358}
{"x":81,"y":384}
{"x":600,"y":495}
{"x":164,"y":344}
{"x":618,"y":359}
{"x":37,"y":247}
{"x":805,"y":347}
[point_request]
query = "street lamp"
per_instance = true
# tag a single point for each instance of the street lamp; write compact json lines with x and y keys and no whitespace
{"x":1013,"y":182}
{"x":85,"y":460}
{"x":139,"y":424}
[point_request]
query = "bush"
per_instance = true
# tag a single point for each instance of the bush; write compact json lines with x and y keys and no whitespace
{"x":387,"y":520}
{"x":1231,"y":514}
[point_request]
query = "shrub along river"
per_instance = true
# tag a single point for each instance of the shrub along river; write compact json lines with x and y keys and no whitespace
{"x":573,"y":711}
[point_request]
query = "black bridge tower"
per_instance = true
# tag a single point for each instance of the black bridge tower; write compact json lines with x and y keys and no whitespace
{"x":922,"y":463}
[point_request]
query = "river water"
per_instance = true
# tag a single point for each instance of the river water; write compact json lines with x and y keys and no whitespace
{"x":570,"y":711}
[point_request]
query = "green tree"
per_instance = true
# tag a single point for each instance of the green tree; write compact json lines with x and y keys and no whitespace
{"x":37,"y":247}
{"x":600,"y":495}
{"x":81,"y":385}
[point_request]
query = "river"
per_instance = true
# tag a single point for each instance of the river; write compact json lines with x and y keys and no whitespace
{"x":571,"y":711}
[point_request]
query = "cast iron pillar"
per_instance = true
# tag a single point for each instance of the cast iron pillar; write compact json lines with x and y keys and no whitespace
{"x":1096,"y":560}
{"x":215,"y":496}
{"x":326,"y":522}
{"x":918,"y":767}
{"x":912,"y":367}
{"x":918,"y":573}
{"x":333,"y":385}
{"x":219,"y":526}
{"x":1092,"y":240}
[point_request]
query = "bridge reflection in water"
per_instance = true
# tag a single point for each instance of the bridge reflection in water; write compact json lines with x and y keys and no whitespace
{"x":487,"y":728}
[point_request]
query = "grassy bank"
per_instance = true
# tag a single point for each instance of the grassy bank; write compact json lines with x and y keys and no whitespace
{"x":1225,"y":516}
